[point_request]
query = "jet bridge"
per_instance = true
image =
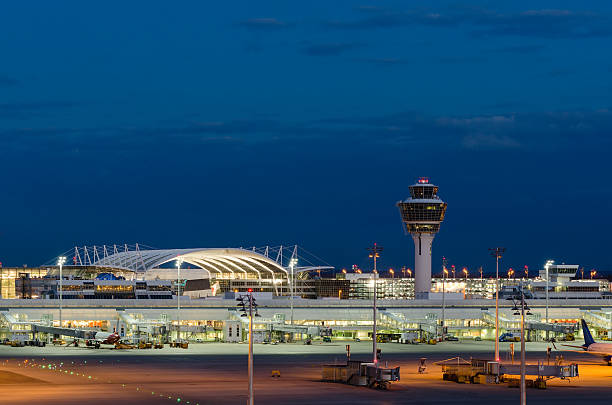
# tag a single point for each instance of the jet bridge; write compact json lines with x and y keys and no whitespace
{"x":530,"y":324}
{"x":491,"y":372}
{"x":278,"y":324}
{"x":601,"y":320}
{"x":17,"y":326}
{"x":52,"y":330}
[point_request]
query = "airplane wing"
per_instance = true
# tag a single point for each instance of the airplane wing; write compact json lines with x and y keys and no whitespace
{"x":579,"y":347}
{"x":606,"y":354}
{"x":574,"y":351}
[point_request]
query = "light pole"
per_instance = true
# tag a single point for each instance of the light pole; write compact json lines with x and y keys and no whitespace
{"x":547,"y":267}
{"x":251,"y":399}
{"x":249,"y":313}
{"x":292,"y":264}
{"x":523,"y":365}
{"x":374,"y":254}
{"x":465,"y":271}
{"x":60,"y":262}
{"x":497,"y":252}
{"x":444,"y":274}
{"x":178,"y":299}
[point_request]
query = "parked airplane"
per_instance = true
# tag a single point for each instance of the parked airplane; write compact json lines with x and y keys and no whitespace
{"x":92,"y":338}
{"x":591,"y":347}
{"x":103,"y":338}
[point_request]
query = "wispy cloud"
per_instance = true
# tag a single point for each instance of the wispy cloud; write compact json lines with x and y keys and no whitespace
{"x":551,"y":24}
{"x":21,"y":110}
{"x":518,"y":49}
{"x":329,"y":49}
{"x":495,"y":131}
{"x":546,"y":23}
{"x":6,"y":81}
{"x":384,"y":61}
{"x":462,"y":59}
{"x":489,"y":141}
{"x":264,"y":24}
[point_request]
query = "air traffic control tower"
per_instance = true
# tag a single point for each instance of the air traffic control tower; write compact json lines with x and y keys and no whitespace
{"x":422,"y":214}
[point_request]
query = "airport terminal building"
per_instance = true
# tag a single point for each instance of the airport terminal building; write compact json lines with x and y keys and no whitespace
{"x":135,"y":290}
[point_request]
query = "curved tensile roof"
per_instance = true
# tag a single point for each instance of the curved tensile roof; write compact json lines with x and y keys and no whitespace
{"x":223,"y":262}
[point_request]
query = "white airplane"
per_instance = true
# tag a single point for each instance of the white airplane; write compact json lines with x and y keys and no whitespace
{"x":603,"y":350}
{"x":104,"y":338}
{"x":92,"y":338}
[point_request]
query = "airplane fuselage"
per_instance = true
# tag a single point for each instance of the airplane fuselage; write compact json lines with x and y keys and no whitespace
{"x":600,"y":348}
{"x":107,"y":338}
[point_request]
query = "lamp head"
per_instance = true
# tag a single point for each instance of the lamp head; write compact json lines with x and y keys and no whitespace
{"x":61,"y":260}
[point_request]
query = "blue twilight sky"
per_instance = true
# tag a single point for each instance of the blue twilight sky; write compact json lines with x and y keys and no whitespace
{"x":213,"y":124}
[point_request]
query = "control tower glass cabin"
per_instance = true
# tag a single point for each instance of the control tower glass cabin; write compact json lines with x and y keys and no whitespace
{"x":422,"y":214}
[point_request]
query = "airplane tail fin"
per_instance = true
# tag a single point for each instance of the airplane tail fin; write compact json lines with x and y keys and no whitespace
{"x":588,"y":338}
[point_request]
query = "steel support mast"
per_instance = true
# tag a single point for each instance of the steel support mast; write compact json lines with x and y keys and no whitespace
{"x":251,"y":396}
{"x":497,"y":253}
{"x":178,"y":299}
{"x":374,"y":254}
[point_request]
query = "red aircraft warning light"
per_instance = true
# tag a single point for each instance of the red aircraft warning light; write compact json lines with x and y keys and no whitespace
{"x":423,"y":180}
{"x":250,"y":290}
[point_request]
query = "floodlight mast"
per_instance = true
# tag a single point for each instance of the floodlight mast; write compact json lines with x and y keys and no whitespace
{"x":497,"y":253}
{"x":179,"y":261}
{"x":292,"y":264}
{"x":444,"y":274}
{"x":251,"y":396}
{"x":252,"y":306}
{"x":547,"y":267}
{"x":374,"y":254}
{"x":522,"y":313}
{"x":60,"y":262}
